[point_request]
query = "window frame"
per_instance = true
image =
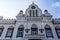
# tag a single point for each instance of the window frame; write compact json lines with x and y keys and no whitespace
{"x":9,"y":29}
{"x":20,"y":31}
{"x":34,"y":30}
{"x":51,"y":34}
{"x":57,"y":32}
{"x":33,"y":13}
{"x":30,"y":12}
{"x":1,"y":31}
{"x":36,"y":13}
{"x":47,"y":28}
{"x":33,"y":7}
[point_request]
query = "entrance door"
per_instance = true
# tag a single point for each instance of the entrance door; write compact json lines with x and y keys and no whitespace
{"x":35,"y":39}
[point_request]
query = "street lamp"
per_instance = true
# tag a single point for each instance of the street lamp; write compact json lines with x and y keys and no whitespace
{"x":41,"y":30}
{"x":26,"y":30}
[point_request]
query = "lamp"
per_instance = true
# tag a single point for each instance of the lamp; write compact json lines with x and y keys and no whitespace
{"x":26,"y":30}
{"x":41,"y":30}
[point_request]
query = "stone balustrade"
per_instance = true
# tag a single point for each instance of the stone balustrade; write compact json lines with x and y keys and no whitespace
{"x":34,"y":36}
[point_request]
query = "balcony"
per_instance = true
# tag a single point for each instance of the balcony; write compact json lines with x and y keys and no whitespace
{"x":34,"y":18}
{"x":34,"y":36}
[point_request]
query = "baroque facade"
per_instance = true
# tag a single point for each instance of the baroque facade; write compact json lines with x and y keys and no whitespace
{"x":33,"y":25}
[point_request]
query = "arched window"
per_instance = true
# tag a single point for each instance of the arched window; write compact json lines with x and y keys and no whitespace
{"x":48,"y":31}
{"x":36,"y":13}
{"x":58,"y":31}
{"x":1,"y":30}
{"x":33,"y":13}
{"x":34,"y":30}
{"x":30,"y":13}
{"x":20,"y":31}
{"x":9,"y":32}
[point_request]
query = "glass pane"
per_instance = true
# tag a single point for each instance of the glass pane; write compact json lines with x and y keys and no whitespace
{"x":58,"y":30}
{"x":0,"y":30}
{"x":20,"y":29}
{"x":20,"y":34}
{"x":34,"y":32}
{"x":33,"y":7}
{"x":59,"y":34}
{"x":9,"y":32}
{"x":48,"y":30}
{"x":49,"y":33}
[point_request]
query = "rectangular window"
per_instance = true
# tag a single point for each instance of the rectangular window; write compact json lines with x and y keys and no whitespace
{"x":34,"y":31}
{"x":33,"y":13}
{"x":30,"y":12}
{"x":36,"y":13}
{"x":20,"y":32}
{"x":58,"y":32}
{"x":1,"y":30}
{"x":49,"y":33}
{"x":9,"y":32}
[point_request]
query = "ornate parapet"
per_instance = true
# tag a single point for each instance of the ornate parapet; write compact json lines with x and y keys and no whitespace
{"x":7,"y":21}
{"x":56,"y":21}
{"x":12,"y":39}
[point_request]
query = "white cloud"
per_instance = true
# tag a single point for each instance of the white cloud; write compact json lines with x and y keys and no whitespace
{"x":56,"y":4}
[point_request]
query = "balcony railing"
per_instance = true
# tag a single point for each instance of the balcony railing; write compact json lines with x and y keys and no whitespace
{"x":34,"y":36}
{"x":34,"y":18}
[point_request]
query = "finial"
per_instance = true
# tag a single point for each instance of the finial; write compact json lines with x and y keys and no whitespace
{"x":33,"y":1}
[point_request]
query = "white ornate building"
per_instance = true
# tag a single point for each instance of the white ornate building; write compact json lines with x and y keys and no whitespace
{"x":33,"y":25}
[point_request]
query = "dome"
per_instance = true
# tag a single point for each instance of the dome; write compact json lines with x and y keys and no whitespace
{"x":20,"y":13}
{"x":46,"y":13}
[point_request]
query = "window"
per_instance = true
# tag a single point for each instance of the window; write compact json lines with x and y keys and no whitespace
{"x":34,"y":30}
{"x":1,"y":30}
{"x":9,"y":32}
{"x":58,"y":32}
{"x":30,"y":12}
{"x":48,"y":31}
{"x":36,"y":13}
{"x":33,"y":7}
{"x":20,"y":31}
{"x":33,"y":13}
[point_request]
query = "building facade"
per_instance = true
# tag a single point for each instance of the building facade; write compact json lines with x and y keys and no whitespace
{"x":33,"y":25}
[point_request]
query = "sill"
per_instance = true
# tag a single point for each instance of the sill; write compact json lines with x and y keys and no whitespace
{"x":8,"y":36}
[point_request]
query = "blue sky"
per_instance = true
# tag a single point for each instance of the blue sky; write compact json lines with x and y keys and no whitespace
{"x":10,"y":8}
